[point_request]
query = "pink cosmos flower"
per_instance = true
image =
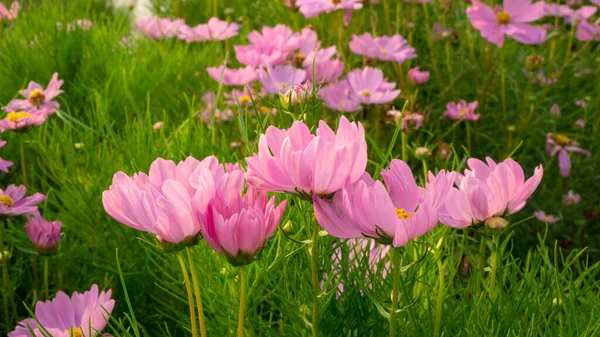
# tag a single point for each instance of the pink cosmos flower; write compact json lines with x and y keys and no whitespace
{"x":326,"y":71}
{"x":20,"y":120}
{"x":215,"y":29}
{"x":315,"y":59}
{"x":232,"y":77}
{"x":595,"y":2}
{"x":511,"y":20}
{"x":38,"y":98}
{"x":580,"y":123}
{"x":238,"y":226}
{"x":386,"y":48}
{"x":439,"y":32}
{"x":370,"y":87}
{"x":547,"y":218}
{"x":269,"y":47}
{"x":13,"y":203}
{"x":165,"y":201}
{"x":461,"y":111}
{"x":393,"y":216}
{"x":157,"y":28}
{"x":571,"y":198}
{"x":312,"y":8}
{"x":44,"y":235}
{"x":557,"y":10}
{"x":555,"y":110}
{"x":414,"y":120}
{"x":9,"y":14}
{"x":339,"y":97}
{"x":417,"y":76}
{"x":581,"y":14}
{"x":587,"y":31}
{"x":4,"y":164}
{"x":296,"y":161}
{"x":488,"y":191}
{"x":280,"y":78}
{"x":79,"y":315}
{"x":561,"y":144}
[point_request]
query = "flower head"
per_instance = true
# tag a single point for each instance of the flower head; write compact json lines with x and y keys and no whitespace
{"x":22,"y":120}
{"x":312,"y":8}
{"x":281,"y":78}
{"x":79,"y":315}
{"x":386,"y":48}
{"x":587,"y":31}
{"x":417,"y":76}
{"x":270,"y":47}
{"x":159,"y":28}
{"x":512,"y":20}
{"x":44,"y":235}
{"x":547,"y":218}
{"x":215,"y":29}
{"x":414,"y":119}
{"x":13,"y":201}
{"x":232,"y":77}
{"x":571,"y":198}
{"x":38,"y":99}
{"x":4,"y":164}
{"x":561,"y":144}
{"x":370,"y":87}
{"x":297,"y":161}
{"x":9,"y":14}
{"x":461,"y":111}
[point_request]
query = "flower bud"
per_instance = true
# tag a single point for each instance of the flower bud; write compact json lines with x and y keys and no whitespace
{"x":422,"y":153}
{"x":496,"y":224}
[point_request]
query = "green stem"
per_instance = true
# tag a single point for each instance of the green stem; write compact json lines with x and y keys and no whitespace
{"x":494,"y":265}
{"x":197,"y":294}
{"x":242,"y":303}
{"x":424,"y":172}
{"x":440,"y":299}
{"x":188,"y":287}
{"x":23,"y":168}
{"x":315,"y":279}
{"x":503,"y":86}
{"x":46,"y":292}
{"x":395,"y":256}
{"x":468,"y":137}
{"x":404,"y":146}
{"x":5,"y":278}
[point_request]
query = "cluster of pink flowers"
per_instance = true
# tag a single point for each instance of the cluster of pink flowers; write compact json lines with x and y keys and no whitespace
{"x":34,"y":109}
{"x":164,"y":28}
{"x":11,"y":13}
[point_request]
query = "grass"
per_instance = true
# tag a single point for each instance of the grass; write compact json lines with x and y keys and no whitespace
{"x":547,"y":280}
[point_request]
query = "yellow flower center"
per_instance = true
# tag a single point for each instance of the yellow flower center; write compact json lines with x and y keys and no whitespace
{"x":36,"y":97}
{"x":503,"y":18}
{"x":15,"y":116}
{"x":562,"y":140}
{"x":217,"y":115}
{"x":384,"y":51}
{"x":366,"y":93}
{"x":402,"y":214}
{"x":264,"y":110}
{"x":462,"y":112}
{"x":336,"y":2}
{"x":6,"y":200}
{"x":244,"y":99}
{"x":283,"y":85}
{"x":76,"y":332}
{"x":300,"y":58}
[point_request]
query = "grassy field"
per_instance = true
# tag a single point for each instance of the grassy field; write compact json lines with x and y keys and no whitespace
{"x":116,"y":90}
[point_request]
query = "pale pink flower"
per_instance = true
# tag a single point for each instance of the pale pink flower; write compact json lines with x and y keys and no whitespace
{"x":37,"y":98}
{"x":243,"y":97}
{"x":487,"y":191}
{"x":571,"y":198}
{"x":9,"y":14}
{"x":418,"y":1}
{"x":165,"y":202}
{"x":370,"y":87}
{"x":270,"y":47}
{"x":395,"y":114}
{"x":417,"y":76}
{"x":21,"y":120}
{"x":461,"y":111}
{"x":547,"y":218}
{"x":386,"y":48}
{"x":13,"y":201}
{"x":551,"y":9}
{"x":555,"y":110}
{"x":312,"y":8}
{"x":238,"y":226}
{"x":232,"y":77}
{"x":280,"y":78}
{"x":588,"y":32}
{"x":439,"y":32}
{"x":44,"y":235}
{"x":157,"y":28}
{"x":313,"y":58}
{"x":296,"y":161}
{"x":79,"y":315}
{"x":580,"y":102}
{"x":414,"y":120}
{"x":581,"y":14}
{"x":511,"y":20}
{"x":580,"y":123}
{"x":215,"y":29}
{"x":561,"y":144}
{"x":338,"y":96}
{"x":4,"y":164}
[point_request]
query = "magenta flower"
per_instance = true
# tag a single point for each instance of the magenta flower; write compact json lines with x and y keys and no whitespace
{"x":165,"y":201}
{"x":417,"y":76}
{"x":511,"y":20}
{"x":370,"y":87}
{"x":339,"y":97}
{"x":215,"y":29}
{"x":296,"y":161}
{"x":561,"y":144}
{"x":37,"y":98}
{"x":581,"y":14}
{"x":232,"y":77}
{"x":280,"y":78}
{"x":79,"y":315}
{"x":238,"y":226}
{"x":366,"y":209}
{"x":414,"y":120}
{"x":547,"y":218}
{"x":21,"y":120}
{"x":4,"y":164}
{"x":312,"y":8}
{"x":555,"y":110}
{"x":461,"y":111}
{"x":44,"y":235}
{"x":13,"y":203}
{"x":386,"y":48}
{"x":9,"y":14}
{"x":157,"y":28}
{"x":588,"y":32}
{"x":571,"y":198}
{"x":488,"y":191}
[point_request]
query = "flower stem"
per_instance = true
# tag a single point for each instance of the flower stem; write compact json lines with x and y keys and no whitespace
{"x":315,"y":279}
{"x":395,"y":256}
{"x":242,"y":302}
{"x":468,"y":137}
{"x":404,"y":146}
{"x":503,"y":86}
{"x":46,"y":292}
{"x":198,"y":295}
{"x":5,"y":278}
{"x":424,"y":172}
{"x":440,"y":299}
{"x":188,"y":287}
{"x":494,"y":265}
{"x":23,"y":168}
